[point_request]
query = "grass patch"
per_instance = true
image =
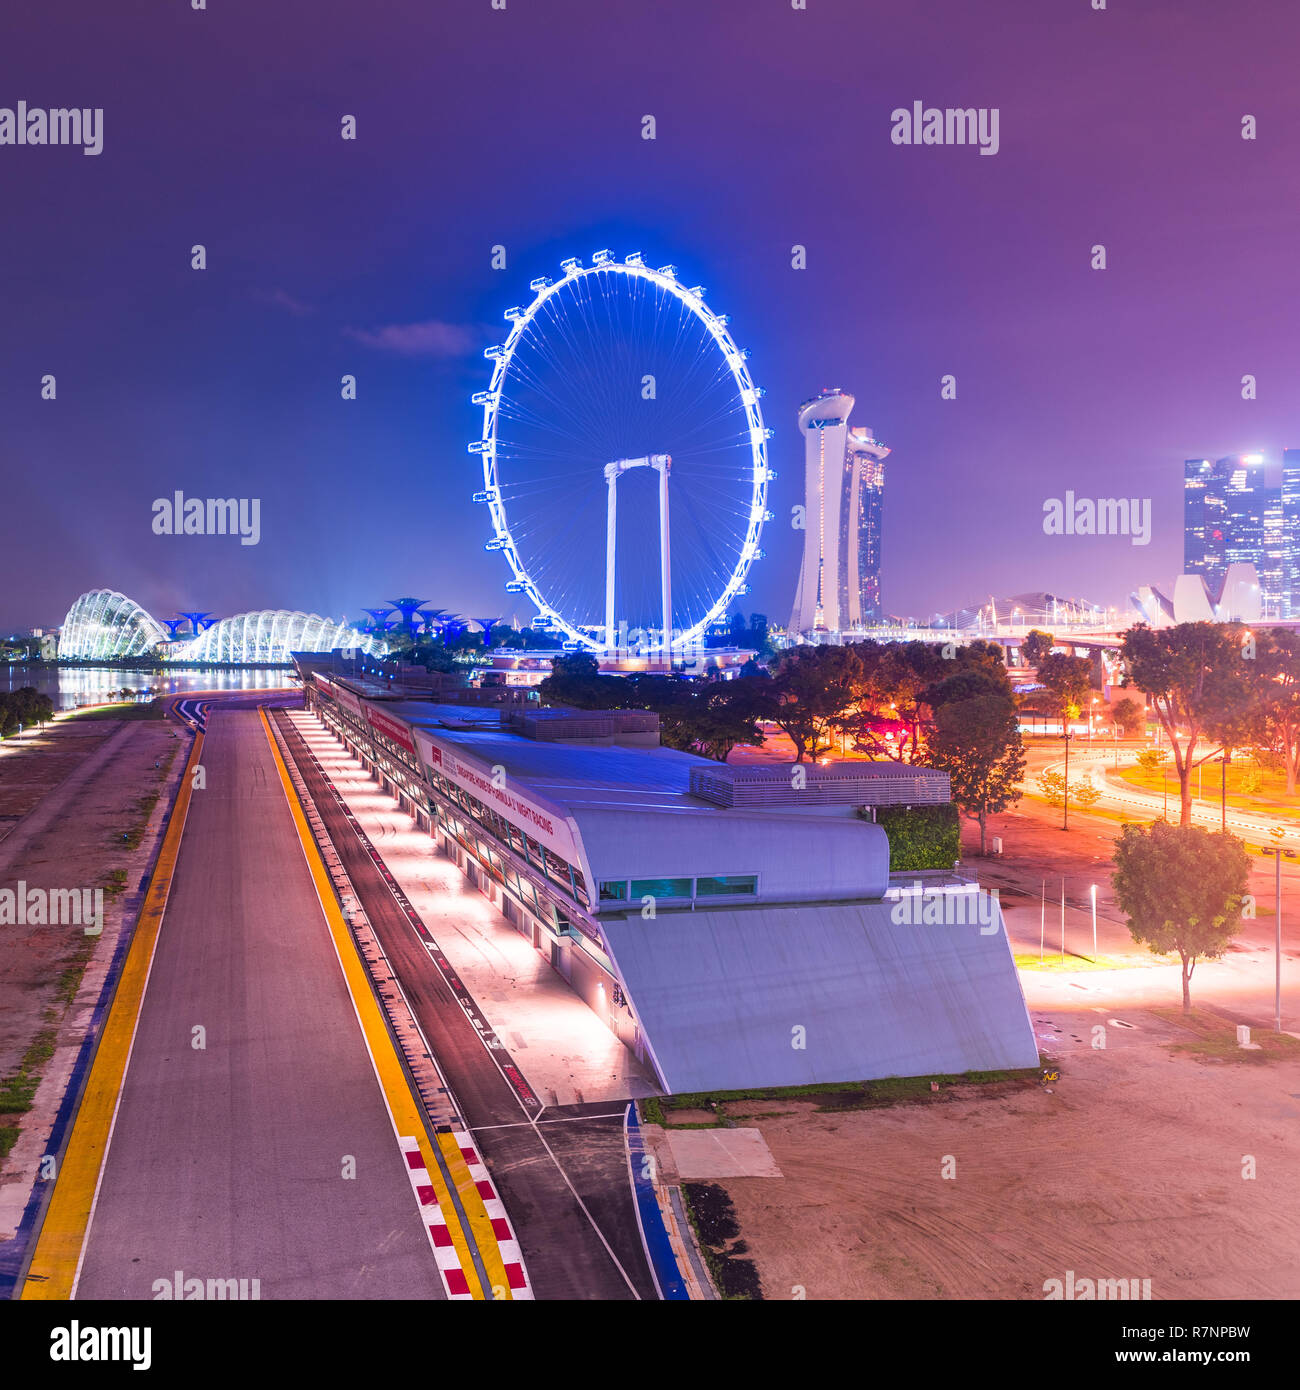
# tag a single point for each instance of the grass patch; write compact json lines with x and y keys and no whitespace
{"x":1026,"y":960}
{"x":17,"y":1091}
{"x":831,"y":1095}
{"x":131,"y":709}
{"x":116,"y":884}
{"x":144,"y":805}
{"x":70,"y":976}
{"x":1270,"y":798}
{"x":1217,"y":1040}
{"x":713,"y":1216}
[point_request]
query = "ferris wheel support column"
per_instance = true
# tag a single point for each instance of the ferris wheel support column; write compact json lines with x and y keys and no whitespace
{"x":661,"y":464}
{"x":612,"y":471}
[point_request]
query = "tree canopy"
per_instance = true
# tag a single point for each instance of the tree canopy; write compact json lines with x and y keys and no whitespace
{"x":1181,"y":887}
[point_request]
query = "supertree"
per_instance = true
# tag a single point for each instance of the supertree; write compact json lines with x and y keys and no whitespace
{"x":487,"y":624}
{"x":380,"y":619}
{"x":406,"y":607}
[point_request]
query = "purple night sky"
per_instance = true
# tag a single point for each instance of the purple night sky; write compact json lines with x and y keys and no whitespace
{"x":522,"y":127}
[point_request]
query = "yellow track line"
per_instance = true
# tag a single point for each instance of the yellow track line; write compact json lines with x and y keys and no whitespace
{"x":56,"y":1258}
{"x":404,"y":1110}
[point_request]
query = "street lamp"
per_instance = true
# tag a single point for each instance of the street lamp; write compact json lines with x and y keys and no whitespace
{"x":1094,"y":921}
{"x":1066,"y":798}
{"x":1223,"y":791}
{"x":1277,"y":852}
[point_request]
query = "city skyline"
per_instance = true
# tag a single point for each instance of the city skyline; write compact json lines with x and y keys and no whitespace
{"x":226,"y":381}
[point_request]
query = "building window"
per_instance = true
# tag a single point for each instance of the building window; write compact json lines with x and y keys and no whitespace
{"x":726,"y":885}
{"x":661,"y":888}
{"x":613,"y":891}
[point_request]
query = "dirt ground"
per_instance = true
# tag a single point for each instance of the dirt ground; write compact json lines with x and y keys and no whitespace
{"x":1130,"y":1167}
{"x":65,"y":801}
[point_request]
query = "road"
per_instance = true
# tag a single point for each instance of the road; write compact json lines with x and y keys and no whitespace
{"x":562,"y":1170}
{"x":1099,"y":765}
{"x":228,"y":1160}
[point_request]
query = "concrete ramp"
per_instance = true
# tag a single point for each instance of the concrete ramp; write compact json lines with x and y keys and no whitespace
{"x":726,"y":997}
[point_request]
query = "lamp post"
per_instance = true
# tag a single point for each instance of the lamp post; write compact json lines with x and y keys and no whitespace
{"x":1223,"y":792}
{"x":1065,"y":800}
{"x":1094,"y":921}
{"x":1277,"y":852}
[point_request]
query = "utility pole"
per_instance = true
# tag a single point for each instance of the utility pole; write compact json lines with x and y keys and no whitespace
{"x":1066,"y":798}
{"x":1277,"y":852}
{"x":1062,"y":921}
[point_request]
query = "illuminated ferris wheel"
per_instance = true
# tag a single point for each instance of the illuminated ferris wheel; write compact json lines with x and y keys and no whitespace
{"x":624,"y":457}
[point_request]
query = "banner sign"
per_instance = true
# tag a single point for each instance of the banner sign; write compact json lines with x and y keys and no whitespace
{"x":390,"y":728}
{"x":544,"y":823}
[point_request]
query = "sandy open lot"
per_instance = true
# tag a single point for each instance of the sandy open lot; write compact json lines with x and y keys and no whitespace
{"x":66,"y":798}
{"x":1131,"y":1168}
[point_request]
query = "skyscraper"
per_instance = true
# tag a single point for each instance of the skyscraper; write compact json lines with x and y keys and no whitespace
{"x":1291,"y":529}
{"x":1204,"y":522}
{"x":1232,"y":516}
{"x":844,"y":479}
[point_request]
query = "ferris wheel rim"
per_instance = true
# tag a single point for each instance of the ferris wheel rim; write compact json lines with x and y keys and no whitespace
{"x":747,"y":394}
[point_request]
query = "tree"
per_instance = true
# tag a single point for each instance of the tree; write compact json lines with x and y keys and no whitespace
{"x":812,"y":685}
{"x":1181,"y":887}
{"x":1035,"y":645}
{"x":977,"y":742}
{"x":888,"y":712}
{"x":1068,"y":680}
{"x":23,"y":707}
{"x":1151,"y":759}
{"x":705,"y":717}
{"x":575,"y":679}
{"x":1129,"y":715}
{"x":1052,"y":786}
{"x":1198,"y":683}
{"x":1277,"y":659}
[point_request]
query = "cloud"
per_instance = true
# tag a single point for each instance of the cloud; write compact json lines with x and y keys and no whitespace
{"x":428,"y":339}
{"x":283,"y":300}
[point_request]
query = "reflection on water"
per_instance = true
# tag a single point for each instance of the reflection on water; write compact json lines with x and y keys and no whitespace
{"x":70,"y":686}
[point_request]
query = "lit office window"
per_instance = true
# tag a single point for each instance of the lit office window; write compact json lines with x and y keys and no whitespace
{"x":661,"y":887}
{"x":726,"y":885}
{"x":613,"y":891}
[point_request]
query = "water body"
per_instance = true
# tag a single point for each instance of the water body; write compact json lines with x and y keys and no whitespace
{"x":70,"y":686}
